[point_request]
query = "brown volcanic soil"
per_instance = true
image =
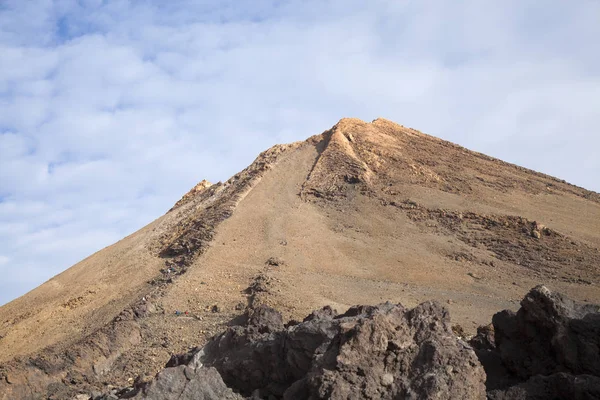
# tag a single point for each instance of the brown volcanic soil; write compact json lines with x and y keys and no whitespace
{"x":362,"y":213}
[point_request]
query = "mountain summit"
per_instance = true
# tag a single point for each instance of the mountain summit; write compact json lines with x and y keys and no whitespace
{"x":360,"y":214}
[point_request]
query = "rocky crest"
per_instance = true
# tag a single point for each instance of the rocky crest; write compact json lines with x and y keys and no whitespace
{"x":58,"y":371}
{"x":203,"y":184}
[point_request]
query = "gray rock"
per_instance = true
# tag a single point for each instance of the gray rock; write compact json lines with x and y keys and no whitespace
{"x":553,"y":387}
{"x":549,"y":334}
{"x":549,"y":349}
{"x":382,"y":352}
{"x":275,"y":261}
{"x":485,"y":338}
{"x":186,"y":383}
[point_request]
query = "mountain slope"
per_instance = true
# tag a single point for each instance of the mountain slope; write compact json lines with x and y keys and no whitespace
{"x":362,"y":213}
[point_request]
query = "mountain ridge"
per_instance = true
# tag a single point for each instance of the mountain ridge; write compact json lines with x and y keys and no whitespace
{"x":359,"y":212}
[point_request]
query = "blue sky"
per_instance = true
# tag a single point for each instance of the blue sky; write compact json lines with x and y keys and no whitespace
{"x":111,"y":110}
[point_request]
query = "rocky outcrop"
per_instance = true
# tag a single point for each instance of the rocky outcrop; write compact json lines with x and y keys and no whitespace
{"x":383,"y":352}
{"x":549,"y":349}
{"x":199,"y":188}
{"x":552,"y":387}
{"x":339,"y":171}
{"x":187,"y":383}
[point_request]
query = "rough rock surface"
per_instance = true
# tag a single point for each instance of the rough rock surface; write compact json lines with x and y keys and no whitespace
{"x":187,"y":382}
{"x":549,"y":349}
{"x":553,"y":387}
{"x":382,"y":352}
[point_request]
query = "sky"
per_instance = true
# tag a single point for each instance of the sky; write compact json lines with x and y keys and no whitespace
{"x":111,"y":110}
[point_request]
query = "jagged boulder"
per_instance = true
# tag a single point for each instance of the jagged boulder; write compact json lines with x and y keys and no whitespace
{"x":549,"y":349}
{"x":252,"y":356}
{"x":550,"y":333}
{"x":559,"y":386}
{"x":187,"y":382}
{"x":390,"y":352}
{"x":383,"y":352}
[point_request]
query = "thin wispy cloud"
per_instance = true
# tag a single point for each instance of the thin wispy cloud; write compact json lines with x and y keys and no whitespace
{"x":111,"y":110}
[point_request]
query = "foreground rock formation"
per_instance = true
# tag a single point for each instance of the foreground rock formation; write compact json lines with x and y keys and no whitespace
{"x":380,"y":352}
{"x":549,"y":349}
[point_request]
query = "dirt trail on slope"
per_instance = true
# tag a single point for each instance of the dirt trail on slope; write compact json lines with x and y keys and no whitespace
{"x":116,"y":337}
{"x":362,"y":251}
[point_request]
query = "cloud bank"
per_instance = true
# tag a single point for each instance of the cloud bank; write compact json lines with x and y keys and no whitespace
{"x":111,"y":110}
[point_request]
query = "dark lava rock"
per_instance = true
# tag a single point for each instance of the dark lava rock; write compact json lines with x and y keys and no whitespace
{"x":549,"y":349}
{"x":383,"y":352}
{"x":559,"y":386}
{"x":550,"y":333}
{"x":143,"y":309}
{"x":187,"y":383}
{"x":323,"y":314}
{"x":182,"y":359}
{"x":485,"y":338}
{"x":265,"y":319}
{"x":275,"y":262}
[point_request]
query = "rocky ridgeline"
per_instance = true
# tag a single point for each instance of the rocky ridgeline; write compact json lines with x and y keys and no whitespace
{"x":549,"y":349}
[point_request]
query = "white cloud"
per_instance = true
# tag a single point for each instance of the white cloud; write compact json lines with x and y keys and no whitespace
{"x":110,"y":111}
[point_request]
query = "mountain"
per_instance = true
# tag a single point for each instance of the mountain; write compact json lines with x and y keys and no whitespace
{"x":360,"y":214}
